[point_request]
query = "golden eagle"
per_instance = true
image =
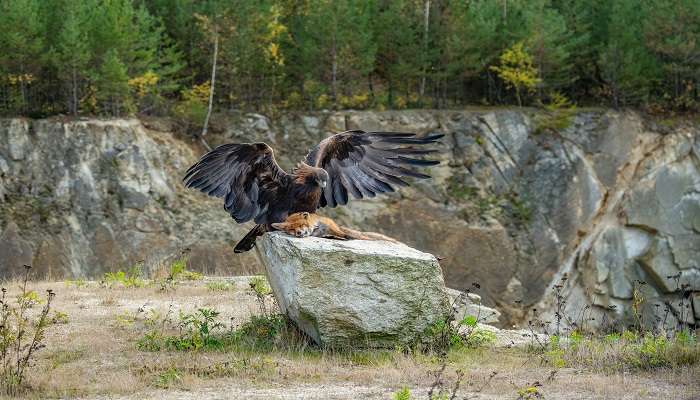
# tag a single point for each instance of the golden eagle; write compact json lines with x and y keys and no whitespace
{"x":254,"y":187}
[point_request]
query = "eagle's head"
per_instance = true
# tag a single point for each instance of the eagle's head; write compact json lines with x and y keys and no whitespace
{"x":309,"y":175}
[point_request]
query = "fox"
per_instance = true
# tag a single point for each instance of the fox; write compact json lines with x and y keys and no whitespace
{"x":305,"y":224}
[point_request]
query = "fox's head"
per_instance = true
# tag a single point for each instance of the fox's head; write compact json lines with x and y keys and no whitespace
{"x":297,"y":224}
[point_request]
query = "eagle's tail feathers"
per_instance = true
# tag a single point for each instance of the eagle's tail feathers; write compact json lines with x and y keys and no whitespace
{"x":248,"y":241}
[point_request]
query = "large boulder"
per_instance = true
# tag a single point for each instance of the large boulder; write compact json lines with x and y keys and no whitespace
{"x":355,"y":293}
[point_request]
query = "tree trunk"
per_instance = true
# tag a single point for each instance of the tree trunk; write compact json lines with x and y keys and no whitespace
{"x":74,"y":92}
{"x":211,"y":86}
{"x":426,"y":26}
{"x":334,"y":73}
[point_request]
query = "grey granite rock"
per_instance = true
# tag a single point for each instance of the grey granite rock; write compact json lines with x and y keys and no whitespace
{"x":355,"y":293}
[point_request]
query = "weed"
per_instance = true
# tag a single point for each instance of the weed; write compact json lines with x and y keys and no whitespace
{"x":219,"y":286}
{"x":520,"y":209}
{"x":62,"y":357}
{"x":129,"y":279}
{"x":403,"y":394}
{"x":20,"y":334}
{"x":261,"y":291}
{"x":124,"y":320}
{"x":458,"y":190}
{"x":530,"y":392}
{"x":78,"y":283}
{"x":626,"y":352}
{"x":59,"y":318}
{"x":167,"y":378}
{"x":179,"y":271}
{"x":198,"y":330}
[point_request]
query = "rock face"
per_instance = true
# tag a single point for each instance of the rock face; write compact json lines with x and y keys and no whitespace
{"x":83,"y":197}
{"x":610,"y":200}
{"x":355,"y":293}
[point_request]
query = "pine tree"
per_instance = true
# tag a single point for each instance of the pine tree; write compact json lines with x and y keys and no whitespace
{"x":550,"y":42}
{"x":337,"y":45}
{"x":71,"y":55}
{"x":475,"y":38}
{"x":628,"y":68}
{"x":673,"y":35}
{"x":112,"y":85}
{"x":397,"y":33}
{"x":21,"y":49}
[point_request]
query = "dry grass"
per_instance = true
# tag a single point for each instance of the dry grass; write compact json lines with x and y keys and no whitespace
{"x":94,"y":355}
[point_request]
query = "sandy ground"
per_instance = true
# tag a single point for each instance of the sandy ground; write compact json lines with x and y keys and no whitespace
{"x":94,"y":356}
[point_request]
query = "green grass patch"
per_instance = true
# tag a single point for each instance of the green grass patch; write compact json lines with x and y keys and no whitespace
{"x":626,"y":351}
{"x":219,"y":286}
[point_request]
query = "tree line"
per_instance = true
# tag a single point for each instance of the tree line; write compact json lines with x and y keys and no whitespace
{"x":119,"y":57}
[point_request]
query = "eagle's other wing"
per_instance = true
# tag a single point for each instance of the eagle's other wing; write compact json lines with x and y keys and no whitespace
{"x":367,"y":163}
{"x":247,"y":177}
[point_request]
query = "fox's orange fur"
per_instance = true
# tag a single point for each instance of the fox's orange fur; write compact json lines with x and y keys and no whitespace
{"x":309,"y":224}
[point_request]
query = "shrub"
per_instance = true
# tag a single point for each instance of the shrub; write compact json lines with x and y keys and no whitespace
{"x":167,"y":378}
{"x":129,"y":279}
{"x":193,"y":108}
{"x":21,"y":335}
{"x":558,"y":115}
{"x":179,"y":271}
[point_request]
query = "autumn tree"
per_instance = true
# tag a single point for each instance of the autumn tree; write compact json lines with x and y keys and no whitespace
{"x":517,"y":70}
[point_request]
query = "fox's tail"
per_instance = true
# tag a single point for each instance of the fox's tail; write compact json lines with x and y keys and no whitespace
{"x":248,"y":240}
{"x":353,"y":234}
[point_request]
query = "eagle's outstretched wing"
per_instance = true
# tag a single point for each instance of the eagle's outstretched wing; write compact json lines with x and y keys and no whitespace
{"x":247,"y":177}
{"x":367,"y":163}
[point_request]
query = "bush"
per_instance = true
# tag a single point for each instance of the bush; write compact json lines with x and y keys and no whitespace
{"x":558,"y":115}
{"x":202,"y":330}
{"x":21,"y":335}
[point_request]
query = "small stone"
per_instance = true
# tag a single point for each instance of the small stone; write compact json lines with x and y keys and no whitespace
{"x":470,"y":305}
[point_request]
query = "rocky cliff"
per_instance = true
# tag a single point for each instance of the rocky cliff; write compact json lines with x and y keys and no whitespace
{"x":611,"y":200}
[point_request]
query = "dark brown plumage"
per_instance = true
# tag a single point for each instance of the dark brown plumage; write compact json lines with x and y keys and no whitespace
{"x":254,"y":187}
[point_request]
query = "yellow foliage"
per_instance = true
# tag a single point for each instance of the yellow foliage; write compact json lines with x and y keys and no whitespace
{"x":400,"y":102}
{"x":193,"y":106}
{"x":88,"y":103}
{"x":517,"y":69}
{"x":294,"y":100}
{"x":198,"y":93}
{"x":275,"y":31}
{"x":323,"y":101}
{"x":13,"y":79}
{"x":273,"y":53}
{"x":358,"y":101}
{"x":143,"y":84}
